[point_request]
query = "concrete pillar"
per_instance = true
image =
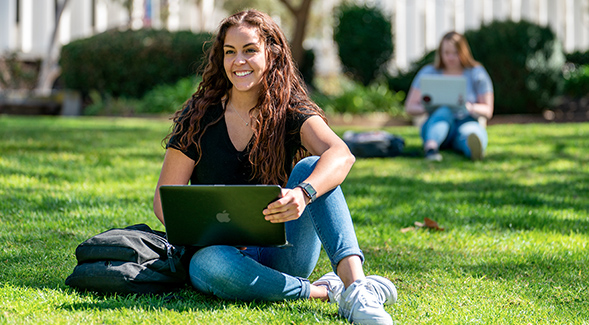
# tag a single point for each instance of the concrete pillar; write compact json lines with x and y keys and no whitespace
{"x":459,"y":19}
{"x":156,"y":9}
{"x":542,"y":12}
{"x":116,"y":14}
{"x":401,"y":34}
{"x":137,"y":14}
{"x":174,"y":17}
{"x":413,"y":41}
{"x":487,"y":11}
{"x":556,"y":12}
{"x":100,"y":16}
{"x":65,"y":30}
{"x":516,"y":10}
{"x":500,"y":10}
{"x":441,"y":24}
{"x":208,"y":14}
{"x":431,"y":18}
{"x":81,"y":18}
{"x":472,"y":15}
{"x":529,"y":10}
{"x":7,"y":26}
{"x":190,"y":16}
{"x":582,"y":35}
{"x":37,"y":23}
{"x":568,"y":41}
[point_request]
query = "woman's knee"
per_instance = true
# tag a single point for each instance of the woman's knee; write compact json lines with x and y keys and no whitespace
{"x":473,"y":127}
{"x":210,"y":266}
{"x":441,"y":120}
{"x":302,"y":170}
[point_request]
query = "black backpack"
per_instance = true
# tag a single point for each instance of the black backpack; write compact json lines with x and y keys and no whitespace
{"x":135,"y":259}
{"x":374,"y":144}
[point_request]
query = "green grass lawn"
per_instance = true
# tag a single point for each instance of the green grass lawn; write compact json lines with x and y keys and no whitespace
{"x":515,"y":249}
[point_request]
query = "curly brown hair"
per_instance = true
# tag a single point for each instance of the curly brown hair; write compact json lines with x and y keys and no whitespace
{"x":283,"y":92}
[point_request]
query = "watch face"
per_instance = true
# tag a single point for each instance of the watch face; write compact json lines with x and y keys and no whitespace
{"x":309,"y":190}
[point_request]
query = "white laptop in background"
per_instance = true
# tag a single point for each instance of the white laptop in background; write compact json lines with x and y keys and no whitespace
{"x":441,"y":90}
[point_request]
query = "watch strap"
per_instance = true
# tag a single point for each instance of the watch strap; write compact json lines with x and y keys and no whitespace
{"x":309,"y":191}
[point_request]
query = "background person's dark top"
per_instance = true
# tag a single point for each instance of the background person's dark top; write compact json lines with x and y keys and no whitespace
{"x":221,"y":163}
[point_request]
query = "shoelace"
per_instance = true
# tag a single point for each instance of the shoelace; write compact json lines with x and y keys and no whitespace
{"x":358,"y":299}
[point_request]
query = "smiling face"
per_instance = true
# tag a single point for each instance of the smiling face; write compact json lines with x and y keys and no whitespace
{"x":450,"y":57}
{"x":244,"y":58}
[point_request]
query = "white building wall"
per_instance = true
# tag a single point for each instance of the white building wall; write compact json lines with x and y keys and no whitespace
{"x":8,"y":29}
{"x":417,"y":24}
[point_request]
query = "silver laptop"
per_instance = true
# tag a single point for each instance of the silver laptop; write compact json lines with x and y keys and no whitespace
{"x":204,"y":215}
{"x":440,"y":90}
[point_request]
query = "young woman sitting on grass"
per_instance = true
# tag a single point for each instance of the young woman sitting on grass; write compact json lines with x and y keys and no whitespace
{"x":457,"y":129}
{"x":249,"y":122}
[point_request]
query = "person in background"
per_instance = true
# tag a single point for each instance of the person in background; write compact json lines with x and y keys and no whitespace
{"x":460,"y":129}
{"x":250,"y":122}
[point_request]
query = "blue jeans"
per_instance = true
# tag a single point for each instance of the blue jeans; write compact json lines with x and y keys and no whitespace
{"x":272,"y":273}
{"x":449,"y":131}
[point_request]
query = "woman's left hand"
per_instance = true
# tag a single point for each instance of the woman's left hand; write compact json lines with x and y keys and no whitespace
{"x":289,"y":207}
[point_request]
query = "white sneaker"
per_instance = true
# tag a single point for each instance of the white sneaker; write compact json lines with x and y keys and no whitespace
{"x":334,"y":285}
{"x":384,"y":288}
{"x":476,"y":147}
{"x":361,"y":303}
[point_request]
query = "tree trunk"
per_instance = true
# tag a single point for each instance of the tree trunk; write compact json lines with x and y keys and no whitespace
{"x":49,"y":68}
{"x":301,"y":15}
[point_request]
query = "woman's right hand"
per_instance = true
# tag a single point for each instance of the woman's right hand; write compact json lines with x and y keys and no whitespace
{"x":413,"y":104}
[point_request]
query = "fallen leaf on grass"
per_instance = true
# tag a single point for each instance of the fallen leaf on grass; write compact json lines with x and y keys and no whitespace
{"x":427,"y":223}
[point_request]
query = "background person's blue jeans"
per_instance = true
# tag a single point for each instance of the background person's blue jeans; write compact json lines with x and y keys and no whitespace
{"x":448,"y":131}
{"x":271,"y":273}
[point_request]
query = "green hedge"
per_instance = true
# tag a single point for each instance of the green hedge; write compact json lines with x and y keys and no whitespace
{"x":364,"y":38}
{"x":576,"y":81}
{"x":525,"y":62}
{"x":578,"y":58}
{"x":130,"y":63}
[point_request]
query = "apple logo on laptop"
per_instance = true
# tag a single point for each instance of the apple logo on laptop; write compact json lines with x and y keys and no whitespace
{"x":223,"y":216}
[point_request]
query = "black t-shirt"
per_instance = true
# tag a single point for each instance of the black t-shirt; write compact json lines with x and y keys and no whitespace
{"x":221,"y":163}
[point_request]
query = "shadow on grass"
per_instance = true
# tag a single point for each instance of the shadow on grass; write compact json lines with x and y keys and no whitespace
{"x":188,"y":300}
{"x":496,"y":200}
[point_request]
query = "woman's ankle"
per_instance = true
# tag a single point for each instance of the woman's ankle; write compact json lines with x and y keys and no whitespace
{"x":350,"y":269}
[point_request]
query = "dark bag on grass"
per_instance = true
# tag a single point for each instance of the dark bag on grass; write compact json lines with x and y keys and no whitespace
{"x":135,"y":259}
{"x":374,"y":144}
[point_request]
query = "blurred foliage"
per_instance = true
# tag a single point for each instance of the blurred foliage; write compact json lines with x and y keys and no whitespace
{"x":578,"y":58}
{"x":401,"y":82}
{"x":107,"y":105}
{"x":576,"y":81}
{"x":130,"y":63}
{"x":525,"y":62}
{"x":364,"y":38}
{"x":16,"y":73}
{"x":163,"y":99}
{"x":355,"y":98}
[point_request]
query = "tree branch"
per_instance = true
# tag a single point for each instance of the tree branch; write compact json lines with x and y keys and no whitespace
{"x":290,"y":7}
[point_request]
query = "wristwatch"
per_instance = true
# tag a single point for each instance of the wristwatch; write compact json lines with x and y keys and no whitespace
{"x":309,"y":191}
